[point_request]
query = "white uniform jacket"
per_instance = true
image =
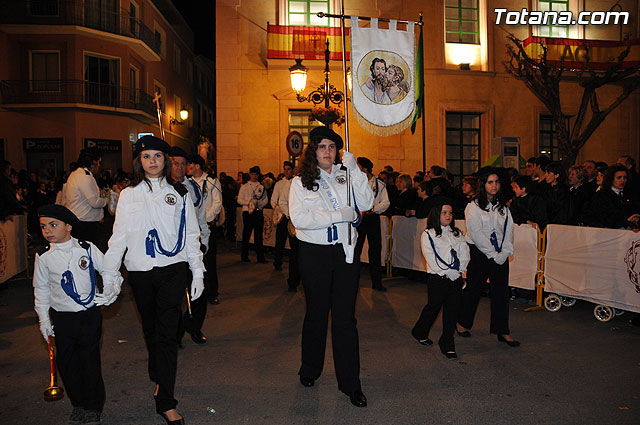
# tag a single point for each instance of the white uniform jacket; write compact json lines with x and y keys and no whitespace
{"x":252,"y":190}
{"x":199,"y":203}
{"x":82,"y":196}
{"x":280,"y":196}
{"x":210,"y":187}
{"x":443,"y":244}
{"x":50,"y":263}
{"x":140,"y":210}
{"x":381,"y":197}
{"x":312,"y":212}
{"x":480,"y":225}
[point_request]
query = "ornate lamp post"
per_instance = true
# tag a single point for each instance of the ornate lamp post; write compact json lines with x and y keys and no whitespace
{"x":326,"y":93}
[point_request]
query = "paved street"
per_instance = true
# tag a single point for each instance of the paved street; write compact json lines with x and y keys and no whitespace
{"x":570,"y":369}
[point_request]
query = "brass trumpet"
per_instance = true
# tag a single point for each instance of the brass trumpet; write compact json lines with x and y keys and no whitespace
{"x":53,"y":392}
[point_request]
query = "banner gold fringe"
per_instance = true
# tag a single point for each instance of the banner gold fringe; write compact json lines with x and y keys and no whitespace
{"x":380,"y":130}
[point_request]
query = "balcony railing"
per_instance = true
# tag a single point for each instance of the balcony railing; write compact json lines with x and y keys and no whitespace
{"x":74,"y":91}
{"x":81,"y":13}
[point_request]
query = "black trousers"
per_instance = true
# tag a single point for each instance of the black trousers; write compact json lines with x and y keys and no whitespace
{"x":87,"y":231}
{"x":211,"y":275}
{"x":282,"y":233}
{"x":446,"y":295}
{"x":370,"y":229}
{"x":78,"y":356}
{"x":330,"y":284}
{"x":192,"y":322}
{"x":158,"y":294}
{"x":252,"y":223}
{"x":479,"y":270}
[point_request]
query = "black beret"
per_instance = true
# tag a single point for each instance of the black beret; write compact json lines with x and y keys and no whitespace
{"x":177,"y":151}
{"x":365,"y":162}
{"x":58,"y":212}
{"x":323,"y":132}
{"x":146,"y":143}
{"x":196,"y":159}
{"x":254,"y":169}
{"x":288,"y":164}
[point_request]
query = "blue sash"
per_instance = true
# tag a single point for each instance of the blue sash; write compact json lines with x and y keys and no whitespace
{"x":69,"y":285}
{"x":196,"y":189}
{"x":153,"y":243}
{"x":494,"y":239}
{"x":455,"y":264}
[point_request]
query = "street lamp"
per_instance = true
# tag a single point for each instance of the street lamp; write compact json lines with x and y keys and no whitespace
{"x":184,"y":115}
{"x":325,"y":93}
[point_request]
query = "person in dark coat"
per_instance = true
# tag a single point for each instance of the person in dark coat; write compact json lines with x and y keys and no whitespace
{"x":612,"y":207}
{"x":578,"y":192}
{"x":559,"y":209}
{"x":526,"y":207}
{"x":407,"y":197}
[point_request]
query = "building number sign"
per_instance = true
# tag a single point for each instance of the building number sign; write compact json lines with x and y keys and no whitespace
{"x":294,"y":144}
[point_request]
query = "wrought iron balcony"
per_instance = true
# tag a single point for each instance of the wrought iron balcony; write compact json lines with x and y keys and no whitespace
{"x":36,"y":92}
{"x":80,"y":13}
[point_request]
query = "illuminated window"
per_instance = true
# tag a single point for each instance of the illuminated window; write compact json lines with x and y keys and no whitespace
{"x":548,"y":138}
{"x":304,"y":12}
{"x":560,"y":31}
{"x":462,"y":23}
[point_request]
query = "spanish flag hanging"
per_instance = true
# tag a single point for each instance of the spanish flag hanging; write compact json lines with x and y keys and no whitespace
{"x":572,"y":53}
{"x":291,"y":42}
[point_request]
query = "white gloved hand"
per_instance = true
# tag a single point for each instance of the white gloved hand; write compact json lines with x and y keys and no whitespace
{"x":500,"y":258}
{"x":110,"y":292}
{"x":197,"y":288}
{"x":346,"y":214}
{"x":349,"y":161}
{"x":46,"y":329}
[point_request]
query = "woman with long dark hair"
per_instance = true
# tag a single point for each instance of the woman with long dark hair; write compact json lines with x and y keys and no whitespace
{"x":490,"y":238}
{"x":612,"y":206}
{"x":156,"y":224}
{"x":447,"y":255}
{"x":320,"y":210}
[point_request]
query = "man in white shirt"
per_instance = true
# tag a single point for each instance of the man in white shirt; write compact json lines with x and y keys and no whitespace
{"x":212,"y":199}
{"x":83,"y":197}
{"x":280,"y":201}
{"x":193,"y":319}
{"x":370,"y":227}
{"x":253,"y":198}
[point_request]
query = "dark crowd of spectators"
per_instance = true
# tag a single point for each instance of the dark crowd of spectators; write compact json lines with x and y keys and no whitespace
{"x":593,"y":194}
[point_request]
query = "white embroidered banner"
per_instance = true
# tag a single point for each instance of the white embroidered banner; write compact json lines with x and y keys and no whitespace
{"x":597,"y":265}
{"x":383,"y":72}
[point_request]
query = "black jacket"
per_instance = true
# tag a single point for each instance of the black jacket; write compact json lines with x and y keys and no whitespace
{"x":609,"y":210}
{"x":559,"y":209}
{"x":529,"y":208}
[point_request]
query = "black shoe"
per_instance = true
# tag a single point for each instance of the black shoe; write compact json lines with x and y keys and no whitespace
{"x":214,"y":301}
{"x":77,"y":416}
{"x":180,"y":346}
{"x":380,"y":288}
{"x":513,"y":343}
{"x":451,"y":355}
{"x":176,"y":422}
{"x":306,"y":381}
{"x":464,"y":334}
{"x":92,"y":417}
{"x":278,"y":267}
{"x":357,"y":398}
{"x":262,"y":261}
{"x":245,"y":260}
{"x":426,"y":342}
{"x":198,"y":338}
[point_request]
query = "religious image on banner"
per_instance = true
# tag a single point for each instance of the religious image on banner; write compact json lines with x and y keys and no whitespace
{"x":383,"y":71}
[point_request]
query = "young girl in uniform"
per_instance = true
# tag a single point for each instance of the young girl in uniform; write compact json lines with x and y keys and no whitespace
{"x":322,"y":216}
{"x":447,"y":255}
{"x":157,"y":225}
{"x":490,"y":236}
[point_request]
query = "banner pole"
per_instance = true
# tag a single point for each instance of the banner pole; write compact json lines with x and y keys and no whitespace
{"x":344,"y":77}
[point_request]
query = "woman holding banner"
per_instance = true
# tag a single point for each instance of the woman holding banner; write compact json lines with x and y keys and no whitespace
{"x":322,"y":215}
{"x":490,"y":238}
